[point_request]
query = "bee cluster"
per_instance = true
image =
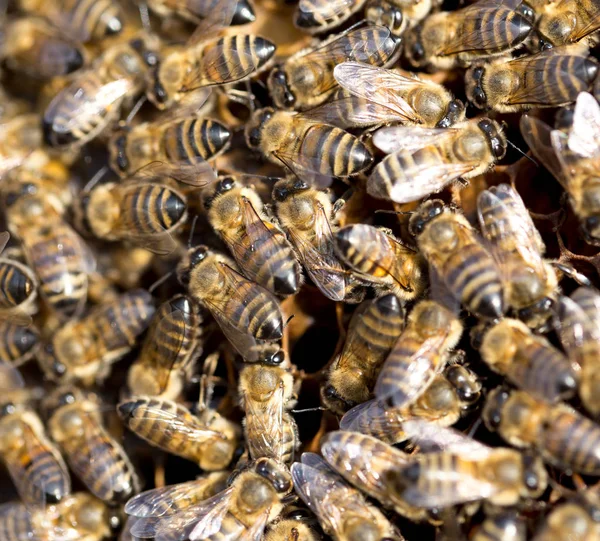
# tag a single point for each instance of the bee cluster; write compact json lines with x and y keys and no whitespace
{"x":269,"y":273}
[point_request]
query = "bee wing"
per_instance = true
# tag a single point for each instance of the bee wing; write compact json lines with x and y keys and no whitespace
{"x":17,"y":514}
{"x":4,"y":238}
{"x":374,"y":417}
{"x":574,"y":328}
{"x":537,"y":135}
{"x":199,"y":174}
{"x":210,"y":21}
{"x":584,"y":135}
{"x":432,"y":438}
{"x":591,"y":24}
{"x":255,"y":531}
{"x":396,"y":138}
{"x":379,"y":85}
{"x":10,"y":378}
{"x":330,"y":9}
{"x":589,"y":299}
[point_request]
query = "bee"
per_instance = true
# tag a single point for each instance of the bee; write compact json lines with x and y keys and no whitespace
{"x":530,"y":282}
{"x":79,"y":516}
{"x":249,"y":315}
{"x":420,"y":353}
{"x":422,"y":161}
{"x":32,"y":460}
{"x":18,"y":291}
{"x":528,"y":361}
{"x":450,"y":246}
{"x":573,"y":159}
{"x":376,"y":256}
{"x":384,"y":96}
{"x":502,"y":527}
{"x":548,"y":79}
{"x":293,"y":525}
{"x":83,"y":109}
{"x":444,"y":401}
{"x":259,"y":248}
{"x":82,"y":20}
{"x":31,"y":46}
{"x":169,"y":352}
{"x":144,"y":213}
{"x":75,"y":424}
{"x":241,"y":511}
{"x":207,"y":62}
{"x":578,"y":328}
{"x":343,"y":512}
{"x":306,"y":79}
{"x":374,"y":329}
{"x":484,"y":29}
{"x":84,"y":349}
{"x":56,"y":254}
{"x":455,"y":469}
{"x":150,"y":507}
{"x":242,"y":11}
{"x":266,"y":394}
{"x":18,"y":343}
{"x":305,"y":146}
{"x":563,"y":437}
{"x":304,"y":213}
{"x":175,"y":147}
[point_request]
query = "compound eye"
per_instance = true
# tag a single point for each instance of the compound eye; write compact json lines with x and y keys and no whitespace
{"x":225,"y":185}
{"x":280,"y":194}
{"x":198,"y":255}
{"x":67,"y":398}
{"x":254,"y":137}
{"x":418,"y":52}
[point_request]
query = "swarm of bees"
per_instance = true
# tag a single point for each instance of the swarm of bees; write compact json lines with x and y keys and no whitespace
{"x":299,"y":270}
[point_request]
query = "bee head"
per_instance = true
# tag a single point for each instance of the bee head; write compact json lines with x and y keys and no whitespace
{"x":385,"y":14}
{"x":590,"y":228}
{"x":275,"y":473}
{"x":287,"y":187}
{"x":455,"y":112}
{"x":424,"y":214}
{"x":492,"y":411}
{"x":475,"y":92}
{"x":118,"y":151}
{"x":223,"y":185}
{"x":255,"y":126}
{"x":194,"y":257}
{"x":495,"y":137}
{"x":280,"y":89}
{"x":466,"y":385}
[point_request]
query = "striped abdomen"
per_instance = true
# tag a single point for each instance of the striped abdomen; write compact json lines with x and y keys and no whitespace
{"x":151,"y":209}
{"x":372,"y":45}
{"x":505,"y":527}
{"x":281,"y":446}
{"x":118,"y":324}
{"x":17,"y":284}
{"x":471,"y":275}
{"x":17,"y":342}
{"x":100,"y":463}
{"x":15,"y":522}
{"x":90,"y":19}
{"x":55,"y":254}
{"x":187,"y":140}
{"x":571,"y":441}
{"x":232,"y":58}
{"x":332,"y":151}
{"x":318,"y":15}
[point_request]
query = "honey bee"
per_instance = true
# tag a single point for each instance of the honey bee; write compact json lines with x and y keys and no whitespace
{"x":306,"y":79}
{"x":420,"y":353}
{"x":450,"y":246}
{"x":293,"y":525}
{"x":484,"y":29}
{"x":454,"y":469}
{"x":548,"y":79}
{"x":443,"y":402}
{"x":29,"y":45}
{"x":78,"y":516}
{"x":242,"y":11}
{"x":177,"y":148}
{"x":374,"y":329}
{"x":18,"y":291}
{"x":342,"y":510}
{"x":33,"y":462}
{"x":207,"y":438}
{"x":144,"y":213}
{"x":563,"y":437}
{"x":376,"y":256}
{"x":502,"y":527}
{"x":75,"y":424}
{"x":82,"y":20}
{"x":386,"y":96}
{"x":84,"y":349}
{"x":18,"y":343}
{"x":423,"y":161}
{"x":241,"y":511}
{"x":266,"y":394}
{"x":94,"y":99}
{"x":573,"y":159}
{"x":169,"y":352}
{"x":304,"y":213}
{"x":579,"y":332}
{"x":305,"y":146}
{"x":259,"y":248}
{"x":529,"y":361}
{"x":530,"y":282}
{"x":249,"y":315}
{"x":54,"y":251}
{"x":207,"y":62}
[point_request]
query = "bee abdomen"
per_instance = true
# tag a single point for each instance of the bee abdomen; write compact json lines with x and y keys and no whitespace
{"x":504,"y":28}
{"x":381,"y":325}
{"x":153,"y":209}
{"x":365,"y":249}
{"x":17,"y":342}
{"x":43,"y":476}
{"x":15,"y":285}
{"x":473,"y":277}
{"x":186,"y":140}
{"x":99,"y":18}
{"x":344,"y":155}
{"x":261,"y":313}
{"x":15,"y":524}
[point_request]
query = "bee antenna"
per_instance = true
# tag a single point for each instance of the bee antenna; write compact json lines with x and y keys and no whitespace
{"x":523,"y":153}
{"x":160,"y":281}
{"x":319,"y":408}
{"x":135,"y":109}
{"x":96,"y":178}
{"x":288,"y":320}
{"x":145,"y":16}
{"x":192,"y":231}
{"x":405,"y":212}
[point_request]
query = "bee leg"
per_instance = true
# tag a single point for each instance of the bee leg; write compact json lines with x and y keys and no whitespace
{"x":341,"y":202}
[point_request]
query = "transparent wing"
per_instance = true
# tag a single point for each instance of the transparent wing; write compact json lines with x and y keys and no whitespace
{"x":433,"y":438}
{"x":4,"y":238}
{"x":574,"y":328}
{"x":589,"y":299}
{"x":333,"y":8}
{"x":10,"y":378}
{"x":214,"y":17}
{"x":15,"y":516}
{"x":396,"y":138}
{"x":376,"y":418}
{"x":584,"y":135}
{"x":199,"y":174}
